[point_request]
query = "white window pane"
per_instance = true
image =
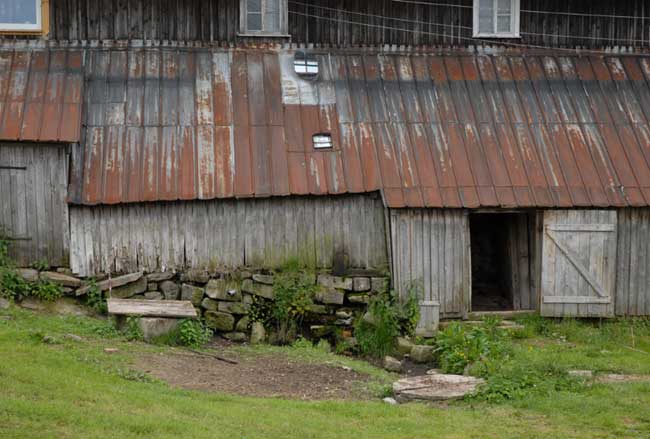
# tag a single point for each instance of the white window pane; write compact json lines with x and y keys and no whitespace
{"x":254,"y":6}
{"x":503,"y":24}
{"x":486,"y":16}
{"x":272,"y":16}
{"x":505,"y":7}
{"x":18,"y":12}
{"x":254,"y":21}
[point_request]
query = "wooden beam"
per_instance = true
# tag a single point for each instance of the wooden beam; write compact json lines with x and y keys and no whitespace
{"x":152,"y":308}
{"x":576,"y":299}
{"x":112,"y":283}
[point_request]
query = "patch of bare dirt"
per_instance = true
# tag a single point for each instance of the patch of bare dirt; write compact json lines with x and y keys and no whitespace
{"x":267,"y":375}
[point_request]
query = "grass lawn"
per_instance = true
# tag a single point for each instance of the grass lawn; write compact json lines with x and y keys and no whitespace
{"x":72,"y":389}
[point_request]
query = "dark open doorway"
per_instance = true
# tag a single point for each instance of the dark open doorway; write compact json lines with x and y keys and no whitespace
{"x":501,"y":270}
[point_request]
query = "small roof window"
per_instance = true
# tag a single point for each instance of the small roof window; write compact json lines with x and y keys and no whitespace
{"x":305,"y":65}
{"x":322,"y":141}
{"x":21,"y":16}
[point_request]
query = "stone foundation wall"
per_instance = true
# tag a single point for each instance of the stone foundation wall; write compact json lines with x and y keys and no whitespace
{"x":224,"y":299}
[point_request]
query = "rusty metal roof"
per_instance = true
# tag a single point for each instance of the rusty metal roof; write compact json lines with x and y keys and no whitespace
{"x":452,"y":130}
{"x":41,"y":95}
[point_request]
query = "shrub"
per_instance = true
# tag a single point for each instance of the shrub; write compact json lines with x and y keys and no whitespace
{"x":45,"y":290}
{"x":96,"y":299}
{"x":294,"y":294}
{"x":193,"y":333}
{"x":387,"y":317}
{"x":458,"y":347}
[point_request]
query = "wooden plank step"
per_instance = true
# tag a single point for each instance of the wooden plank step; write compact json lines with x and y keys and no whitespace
{"x":505,"y":315}
{"x":152,"y":308}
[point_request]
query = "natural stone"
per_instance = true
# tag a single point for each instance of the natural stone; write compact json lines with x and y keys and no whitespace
{"x":344,"y":322}
{"x":65,"y":270}
{"x":68,"y":306}
{"x":392,"y":364}
{"x":343,"y":314}
{"x":581,"y":373}
{"x":220,"y":289}
{"x":29,"y":274}
{"x":266,"y":291}
{"x":247,"y":298}
{"x":242,"y":324}
{"x":4,"y":303}
{"x":363,"y":299}
{"x":139,"y":297}
{"x":67,"y":291}
{"x":238,"y":337}
{"x":210,"y":304}
{"x":330,"y":296}
{"x":192,"y":293}
{"x":197,"y":276}
{"x":152,"y":286}
{"x":61,"y":279}
{"x":159,"y":277}
{"x":111,"y":283}
{"x":170,"y":290}
{"x":153,"y":295}
{"x":266,"y":279}
{"x":111,"y":350}
{"x":319,"y":331}
{"x":234,"y":307}
{"x":73,"y":337}
{"x":32,"y":304}
{"x":389,"y":400}
{"x":130,"y":290}
{"x":317,"y":309}
{"x":154,"y":327}
{"x":403,"y":346}
{"x":220,"y":321}
{"x":258,"y":333}
{"x":245,"y":274}
{"x":422,"y":353}
{"x":437,"y":387}
{"x":361,"y":284}
{"x":379,"y":284}
{"x":48,"y":339}
{"x":329,"y":281}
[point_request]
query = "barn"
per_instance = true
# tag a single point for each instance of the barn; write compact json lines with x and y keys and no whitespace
{"x":495,"y":180}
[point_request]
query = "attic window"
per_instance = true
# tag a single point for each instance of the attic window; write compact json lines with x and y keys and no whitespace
{"x":305,"y":65}
{"x":496,"y":18}
{"x":322,"y":141}
{"x":21,"y":16}
{"x":263,"y":17}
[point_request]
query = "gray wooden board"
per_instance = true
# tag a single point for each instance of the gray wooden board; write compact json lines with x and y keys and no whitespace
{"x":633,"y":263}
{"x":579,"y":263}
{"x":152,"y":308}
{"x":228,"y":233}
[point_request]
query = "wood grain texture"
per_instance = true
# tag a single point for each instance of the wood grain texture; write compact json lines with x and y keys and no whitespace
{"x":151,"y":308}
{"x":633,"y":263}
{"x":229,"y":233}
{"x":430,"y":248}
{"x":579,"y":263}
{"x":33,"y":207}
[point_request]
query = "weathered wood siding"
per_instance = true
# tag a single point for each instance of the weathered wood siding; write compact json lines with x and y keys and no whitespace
{"x":33,"y":208}
{"x":633,"y":263}
{"x":522,"y":243}
{"x":351,"y":22}
{"x":229,"y":233}
{"x":431,"y":248}
{"x":579,"y":263}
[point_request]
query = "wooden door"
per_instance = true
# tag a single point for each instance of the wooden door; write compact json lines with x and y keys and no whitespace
{"x":579,"y":263}
{"x":33,"y":208}
{"x":430,"y":250}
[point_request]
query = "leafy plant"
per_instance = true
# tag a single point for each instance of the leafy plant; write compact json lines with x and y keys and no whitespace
{"x":132,"y":331}
{"x":193,"y":333}
{"x":260,"y":310}
{"x":41,"y":265}
{"x":294,"y":294}
{"x":45,"y":290}
{"x":458,"y":346}
{"x":12,"y":285}
{"x":95,"y":298}
{"x":387,"y":317}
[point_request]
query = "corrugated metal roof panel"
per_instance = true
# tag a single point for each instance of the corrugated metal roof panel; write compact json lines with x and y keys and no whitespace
{"x":427,"y":130}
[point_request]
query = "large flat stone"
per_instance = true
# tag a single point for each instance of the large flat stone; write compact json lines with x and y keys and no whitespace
{"x":61,"y":279}
{"x":238,"y":308}
{"x":435,"y":387}
{"x":220,"y":289}
{"x":266,"y":291}
{"x":330,"y":296}
{"x":266,"y":279}
{"x":154,"y":327}
{"x":192,"y":293}
{"x":159,"y":277}
{"x":196,"y":275}
{"x":220,"y":321}
{"x":329,"y":281}
{"x":129,"y":290}
{"x":170,"y":290}
{"x":29,"y":274}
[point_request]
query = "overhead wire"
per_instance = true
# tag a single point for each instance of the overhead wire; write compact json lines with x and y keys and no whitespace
{"x":528,"y":11}
{"x":458,"y":26}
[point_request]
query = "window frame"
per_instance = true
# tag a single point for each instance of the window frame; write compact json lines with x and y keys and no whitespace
{"x":243,"y":20}
{"x":40,"y":28}
{"x":515,"y":6}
